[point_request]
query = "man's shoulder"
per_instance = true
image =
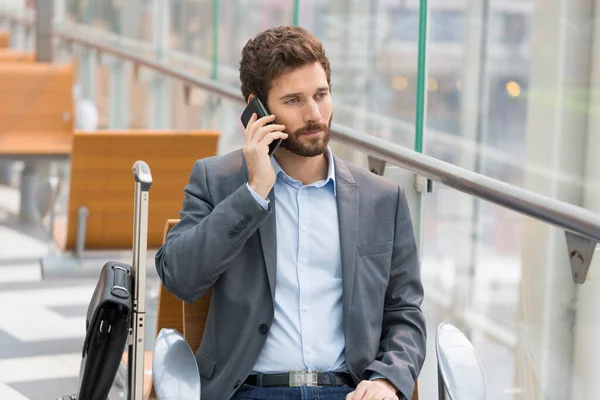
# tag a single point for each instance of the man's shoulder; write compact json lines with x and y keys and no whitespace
{"x":222,"y":165}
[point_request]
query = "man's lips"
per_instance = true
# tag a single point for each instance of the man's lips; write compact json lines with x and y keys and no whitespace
{"x":310,"y":133}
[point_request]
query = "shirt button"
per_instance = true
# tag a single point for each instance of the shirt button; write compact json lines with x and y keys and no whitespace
{"x":304,"y":308}
{"x":304,"y":227}
{"x":263,"y":329}
{"x":238,"y":383}
{"x":302,"y":268}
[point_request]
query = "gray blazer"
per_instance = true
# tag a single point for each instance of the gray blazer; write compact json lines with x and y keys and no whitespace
{"x":225,"y":240}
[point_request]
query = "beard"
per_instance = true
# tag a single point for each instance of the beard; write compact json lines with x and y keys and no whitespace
{"x":306,"y":146}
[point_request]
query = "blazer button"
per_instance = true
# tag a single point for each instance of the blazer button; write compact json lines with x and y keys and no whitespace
{"x":263,"y":329}
{"x":237,"y":384}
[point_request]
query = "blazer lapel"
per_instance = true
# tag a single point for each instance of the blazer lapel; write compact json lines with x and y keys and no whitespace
{"x":268,"y":241}
{"x":348,"y":203}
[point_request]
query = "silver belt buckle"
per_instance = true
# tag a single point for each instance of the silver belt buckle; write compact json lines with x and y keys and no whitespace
{"x":303,"y":378}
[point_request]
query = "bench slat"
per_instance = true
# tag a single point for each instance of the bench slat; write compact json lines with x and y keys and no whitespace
{"x":13,"y":55}
{"x":36,"y":109}
{"x":46,"y":143}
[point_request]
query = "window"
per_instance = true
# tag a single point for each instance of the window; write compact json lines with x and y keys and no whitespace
{"x":444,"y":25}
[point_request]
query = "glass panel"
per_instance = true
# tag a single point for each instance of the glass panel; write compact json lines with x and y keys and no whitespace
{"x":193,"y":32}
{"x":131,"y":19}
{"x":102,"y":15}
{"x":372,"y":47}
{"x":507,"y":99}
{"x":187,"y":107}
{"x":471,"y":270}
{"x":191,"y":27}
{"x":225,"y":118}
{"x":73,"y":10}
{"x":241,"y":20}
{"x":485,"y":104}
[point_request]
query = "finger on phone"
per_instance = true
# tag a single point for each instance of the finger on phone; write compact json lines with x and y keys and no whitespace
{"x":266,"y":119}
{"x":271,"y":137}
{"x":251,"y":121}
{"x":260,"y":133}
{"x":255,"y":125}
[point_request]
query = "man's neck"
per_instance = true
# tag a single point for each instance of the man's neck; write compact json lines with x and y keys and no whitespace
{"x":304,"y":169}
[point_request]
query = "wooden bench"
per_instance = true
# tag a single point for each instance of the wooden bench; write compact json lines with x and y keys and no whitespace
{"x":189,"y":318}
{"x":101,"y":180}
{"x":36,"y":109}
{"x":12,"y":55}
{"x":4,"y":39}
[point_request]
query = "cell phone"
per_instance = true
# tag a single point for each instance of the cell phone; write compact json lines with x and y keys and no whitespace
{"x":257,"y":106}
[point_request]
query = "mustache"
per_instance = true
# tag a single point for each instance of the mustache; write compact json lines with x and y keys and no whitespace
{"x":311,"y":127}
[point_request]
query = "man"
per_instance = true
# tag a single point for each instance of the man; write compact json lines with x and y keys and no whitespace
{"x":312,"y":260}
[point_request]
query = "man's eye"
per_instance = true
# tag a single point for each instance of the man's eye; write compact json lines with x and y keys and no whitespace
{"x":321,"y":95}
{"x":291,"y":101}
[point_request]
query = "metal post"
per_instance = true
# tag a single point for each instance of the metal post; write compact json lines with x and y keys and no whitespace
{"x":28,"y":211}
{"x":160,"y":95}
{"x":82,"y":214}
{"x":143,"y":181}
{"x":36,"y":171}
{"x":59,"y":10}
{"x":88,"y":76}
{"x":43,"y":30}
{"x":53,"y":188}
{"x":118,"y":104}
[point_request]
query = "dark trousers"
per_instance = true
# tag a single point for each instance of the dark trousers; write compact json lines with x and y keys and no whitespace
{"x":249,"y":392}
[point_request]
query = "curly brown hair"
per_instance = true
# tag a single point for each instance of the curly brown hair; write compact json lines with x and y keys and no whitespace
{"x":275,"y":51}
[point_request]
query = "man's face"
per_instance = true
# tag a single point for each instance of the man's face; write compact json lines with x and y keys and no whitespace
{"x":301,"y":101}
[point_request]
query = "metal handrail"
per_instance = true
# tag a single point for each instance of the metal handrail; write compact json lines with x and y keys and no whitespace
{"x":572,"y":218}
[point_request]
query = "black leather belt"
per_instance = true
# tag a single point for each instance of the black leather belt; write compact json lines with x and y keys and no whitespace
{"x":289,"y":379}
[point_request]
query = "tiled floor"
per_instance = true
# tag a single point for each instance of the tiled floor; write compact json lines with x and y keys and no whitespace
{"x":42,"y":322}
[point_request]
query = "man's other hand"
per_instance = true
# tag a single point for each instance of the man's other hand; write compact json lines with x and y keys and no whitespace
{"x":378,"y":389}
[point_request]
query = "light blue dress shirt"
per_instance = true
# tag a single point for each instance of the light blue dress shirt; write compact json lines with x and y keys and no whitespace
{"x":307,"y":331}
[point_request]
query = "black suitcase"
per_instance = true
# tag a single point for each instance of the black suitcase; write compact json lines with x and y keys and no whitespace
{"x":107,"y":328}
{"x":118,"y":298}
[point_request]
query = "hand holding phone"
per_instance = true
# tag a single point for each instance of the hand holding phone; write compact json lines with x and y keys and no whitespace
{"x":261,"y":137}
{"x":257,"y":106}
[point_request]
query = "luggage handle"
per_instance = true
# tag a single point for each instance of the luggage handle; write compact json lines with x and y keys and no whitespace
{"x":119,"y":288}
{"x":143,"y":181}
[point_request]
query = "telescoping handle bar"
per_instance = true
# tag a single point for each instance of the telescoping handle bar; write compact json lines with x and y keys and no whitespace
{"x":143,"y":180}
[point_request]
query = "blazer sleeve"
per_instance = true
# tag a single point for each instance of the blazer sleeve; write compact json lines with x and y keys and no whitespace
{"x":403,"y":339}
{"x":200,"y":247}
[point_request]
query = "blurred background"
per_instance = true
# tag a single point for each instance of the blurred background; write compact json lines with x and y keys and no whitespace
{"x":511,"y":93}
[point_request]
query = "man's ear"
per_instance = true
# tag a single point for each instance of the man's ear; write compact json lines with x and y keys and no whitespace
{"x":250,"y":97}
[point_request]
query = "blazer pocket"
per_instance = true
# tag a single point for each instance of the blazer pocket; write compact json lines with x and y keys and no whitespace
{"x":206,"y":364}
{"x":378,"y":248}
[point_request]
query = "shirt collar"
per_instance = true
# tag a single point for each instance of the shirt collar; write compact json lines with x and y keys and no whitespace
{"x":330,"y":170}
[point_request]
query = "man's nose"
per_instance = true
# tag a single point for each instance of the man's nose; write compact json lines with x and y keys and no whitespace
{"x":312,"y":113}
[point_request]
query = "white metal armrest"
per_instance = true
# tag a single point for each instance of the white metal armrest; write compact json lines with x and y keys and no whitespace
{"x":174,"y":368}
{"x":460,"y":374}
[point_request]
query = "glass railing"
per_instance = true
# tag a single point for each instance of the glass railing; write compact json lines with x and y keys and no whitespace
{"x":502,"y":100}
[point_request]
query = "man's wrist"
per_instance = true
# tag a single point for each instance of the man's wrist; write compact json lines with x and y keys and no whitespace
{"x":380,"y":379}
{"x":262,"y":202}
{"x":261,"y":190}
